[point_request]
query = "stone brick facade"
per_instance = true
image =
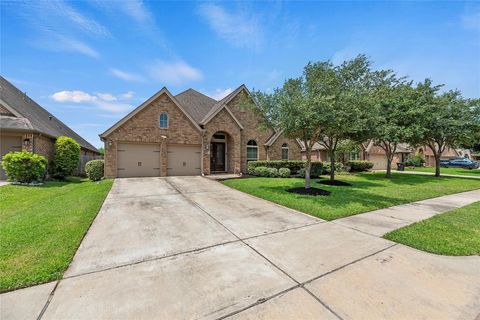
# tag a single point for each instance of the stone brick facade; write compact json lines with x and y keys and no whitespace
{"x":144,"y":127}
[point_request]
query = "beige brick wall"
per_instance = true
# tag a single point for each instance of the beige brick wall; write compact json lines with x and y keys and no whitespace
{"x":275,"y":150}
{"x":223,"y":122}
{"x":45,"y":147}
{"x":144,"y":128}
{"x":251,"y":131}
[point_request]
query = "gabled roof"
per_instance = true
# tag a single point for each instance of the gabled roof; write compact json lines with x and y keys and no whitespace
{"x":30,"y":116}
{"x":195,"y":103}
{"x":145,"y":104}
{"x":223,"y":104}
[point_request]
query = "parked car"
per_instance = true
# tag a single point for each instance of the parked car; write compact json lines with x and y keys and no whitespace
{"x":459,"y":163}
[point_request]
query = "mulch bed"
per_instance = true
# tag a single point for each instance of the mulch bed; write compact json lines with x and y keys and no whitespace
{"x":311,"y":191}
{"x":335,"y":183}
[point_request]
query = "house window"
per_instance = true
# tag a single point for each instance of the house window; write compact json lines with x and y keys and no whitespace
{"x":354,"y":155}
{"x":252,"y":150}
{"x":285,"y":151}
{"x":163,"y":121}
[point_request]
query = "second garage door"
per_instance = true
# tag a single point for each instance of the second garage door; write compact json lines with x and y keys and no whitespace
{"x":138,"y":160}
{"x":379,"y":161}
{"x":183,"y":160}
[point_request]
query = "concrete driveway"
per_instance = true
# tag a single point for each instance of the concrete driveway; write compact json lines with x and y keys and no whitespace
{"x":189,"y":248}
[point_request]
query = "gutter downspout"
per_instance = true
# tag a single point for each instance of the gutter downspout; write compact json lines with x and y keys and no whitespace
{"x":202,"y":153}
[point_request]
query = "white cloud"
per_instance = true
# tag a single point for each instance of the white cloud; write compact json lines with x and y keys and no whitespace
{"x":75,"y":96}
{"x":70,"y":44}
{"x":219,"y":94}
{"x":137,"y":10}
{"x":125,"y":75}
{"x":240,"y":29}
{"x":174,"y":73}
{"x":103,"y":101}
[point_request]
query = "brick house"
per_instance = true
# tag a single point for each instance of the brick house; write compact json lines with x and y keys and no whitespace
{"x":191,"y":134}
{"x":25,"y":125}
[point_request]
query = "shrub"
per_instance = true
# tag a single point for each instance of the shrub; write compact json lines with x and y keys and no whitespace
{"x":415,"y":161}
{"x":284,"y":172}
{"x":359,"y":165}
{"x":261,"y":171}
{"x":339,"y":167}
{"x":272,"y":172}
{"x":293,"y":165}
{"x":67,"y":156}
{"x":315,"y":170}
{"x":94,"y":169}
{"x":24,"y":167}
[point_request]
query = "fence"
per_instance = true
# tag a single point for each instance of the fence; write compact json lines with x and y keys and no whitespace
{"x":80,"y":171}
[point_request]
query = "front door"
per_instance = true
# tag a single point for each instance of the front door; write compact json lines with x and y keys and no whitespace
{"x":217,"y":156}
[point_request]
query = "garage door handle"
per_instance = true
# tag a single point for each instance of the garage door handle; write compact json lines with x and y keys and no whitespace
{"x":139,"y":164}
{"x":184,"y":164}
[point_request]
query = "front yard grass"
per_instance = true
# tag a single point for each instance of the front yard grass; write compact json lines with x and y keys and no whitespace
{"x":41,"y":228}
{"x":459,"y":171}
{"x":454,"y":233}
{"x":370,"y":191}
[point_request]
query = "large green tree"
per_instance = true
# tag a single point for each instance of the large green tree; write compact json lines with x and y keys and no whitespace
{"x":443,"y":119}
{"x":346,"y":115}
{"x":393,"y":109}
{"x":293,"y":109}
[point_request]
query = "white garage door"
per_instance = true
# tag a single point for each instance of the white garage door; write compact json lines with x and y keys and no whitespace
{"x":183,"y":160}
{"x":138,"y":160}
{"x":379,"y":161}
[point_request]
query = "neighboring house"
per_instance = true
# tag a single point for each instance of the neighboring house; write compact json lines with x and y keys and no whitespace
{"x":368,"y":151}
{"x":24,"y":125}
{"x":191,"y":134}
{"x":449,"y":153}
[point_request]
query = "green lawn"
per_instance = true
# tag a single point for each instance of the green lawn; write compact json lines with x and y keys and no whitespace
{"x":370,"y":191}
{"x":459,"y":171}
{"x":42,"y":227}
{"x":455,"y":233}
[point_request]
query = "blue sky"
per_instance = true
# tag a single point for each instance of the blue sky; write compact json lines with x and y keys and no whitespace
{"x":91,"y":62}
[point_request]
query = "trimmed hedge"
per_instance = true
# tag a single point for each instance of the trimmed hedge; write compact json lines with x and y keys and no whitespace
{"x":293,"y":165}
{"x":24,"y":167}
{"x":67,"y":156}
{"x":266,"y":172}
{"x":339,"y":167}
{"x":316,"y":170}
{"x":94,"y":169}
{"x":415,"y":161}
{"x":359,"y":165}
{"x":284,"y":173}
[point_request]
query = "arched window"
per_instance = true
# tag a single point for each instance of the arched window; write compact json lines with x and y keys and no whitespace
{"x":285,"y":151}
{"x":252,"y":151}
{"x":163,"y":121}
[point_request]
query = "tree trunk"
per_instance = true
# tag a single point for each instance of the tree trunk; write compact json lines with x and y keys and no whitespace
{"x":389,"y":167}
{"x":437,"y":165}
{"x":332,"y":165}
{"x":308,"y":166}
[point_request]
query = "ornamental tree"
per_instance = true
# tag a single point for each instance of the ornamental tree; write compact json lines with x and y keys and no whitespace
{"x":443,"y":120}
{"x":67,"y":156}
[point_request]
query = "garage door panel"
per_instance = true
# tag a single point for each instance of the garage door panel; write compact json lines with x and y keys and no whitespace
{"x":379,"y":161}
{"x":183,"y":160}
{"x":138,"y":160}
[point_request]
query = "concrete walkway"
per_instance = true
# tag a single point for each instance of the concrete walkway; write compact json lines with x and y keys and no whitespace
{"x":431,"y":174}
{"x":190,"y":247}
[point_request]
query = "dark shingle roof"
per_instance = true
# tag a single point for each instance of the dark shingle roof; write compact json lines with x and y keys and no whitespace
{"x":195,"y":103}
{"x":40,"y":119}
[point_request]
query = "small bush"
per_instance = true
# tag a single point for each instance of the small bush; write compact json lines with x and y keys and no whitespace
{"x":284,"y":172}
{"x":261,"y":171}
{"x":293,"y":165}
{"x":94,"y":169}
{"x":67,"y":156}
{"x":359,"y":165}
{"x":272,"y":172}
{"x":415,"y":161}
{"x":316,"y":170}
{"x":24,"y":167}
{"x":339,"y":167}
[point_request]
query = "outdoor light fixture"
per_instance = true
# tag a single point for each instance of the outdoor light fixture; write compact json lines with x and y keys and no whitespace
{"x":109,"y":142}
{"x":26,"y":142}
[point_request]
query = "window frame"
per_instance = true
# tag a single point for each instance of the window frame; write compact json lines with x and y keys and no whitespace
{"x":285,"y":148}
{"x":160,"y":120}
{"x":253,"y":146}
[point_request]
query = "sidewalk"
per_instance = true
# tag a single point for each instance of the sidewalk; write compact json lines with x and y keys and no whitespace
{"x":381,"y":221}
{"x":431,"y":174}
